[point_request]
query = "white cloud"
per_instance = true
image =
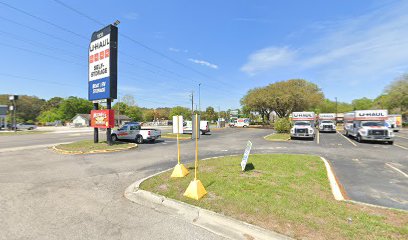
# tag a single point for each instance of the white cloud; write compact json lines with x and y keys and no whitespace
{"x":368,"y":48}
{"x":203,"y":63}
{"x":267,"y":59}
{"x":171,"y":49}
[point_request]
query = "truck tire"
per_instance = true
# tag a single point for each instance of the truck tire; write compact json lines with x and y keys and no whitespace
{"x":139,"y":139}
{"x":202,"y":132}
{"x":358,"y":138}
{"x":114,"y":138}
{"x":391,"y":142}
{"x":346,"y":134}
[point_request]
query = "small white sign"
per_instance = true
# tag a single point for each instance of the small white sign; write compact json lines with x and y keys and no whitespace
{"x":246,"y":155}
{"x":100,"y":101}
{"x":178,"y":121}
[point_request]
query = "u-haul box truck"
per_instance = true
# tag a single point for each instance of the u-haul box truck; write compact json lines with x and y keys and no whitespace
{"x":394,"y":122}
{"x":368,"y":125}
{"x":327,"y":122}
{"x":303,"y":125}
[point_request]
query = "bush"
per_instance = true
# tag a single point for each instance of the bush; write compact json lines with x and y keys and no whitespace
{"x":405,"y":124}
{"x":282,"y":125}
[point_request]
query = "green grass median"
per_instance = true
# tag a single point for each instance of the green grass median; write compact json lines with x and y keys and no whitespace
{"x":174,"y":135}
{"x":289,"y":194}
{"x":88,"y":146}
{"x":278,"y":137}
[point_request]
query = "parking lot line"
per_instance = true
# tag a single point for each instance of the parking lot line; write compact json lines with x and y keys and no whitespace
{"x":401,"y":137}
{"x":347,"y":139}
{"x":396,"y":169}
{"x":400,"y":146}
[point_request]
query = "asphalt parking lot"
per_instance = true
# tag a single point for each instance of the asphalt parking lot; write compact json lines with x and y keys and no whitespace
{"x":43,"y":192}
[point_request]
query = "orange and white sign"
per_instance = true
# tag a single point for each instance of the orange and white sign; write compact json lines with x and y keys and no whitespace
{"x":103,"y":118}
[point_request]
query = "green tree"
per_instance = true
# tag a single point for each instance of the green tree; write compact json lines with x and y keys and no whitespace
{"x":210,"y":114}
{"x":183,"y":111}
{"x":397,"y":94}
{"x":362,"y":104}
{"x":28,"y":107}
{"x":72,"y":106}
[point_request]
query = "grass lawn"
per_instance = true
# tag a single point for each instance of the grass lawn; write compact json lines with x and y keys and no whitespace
{"x":278,"y":137}
{"x":28,"y":132}
{"x":285,"y":193}
{"x":174,"y":135}
{"x":89,"y":145}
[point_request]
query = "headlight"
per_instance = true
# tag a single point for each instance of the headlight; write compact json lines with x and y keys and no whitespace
{"x":292,"y":130}
{"x":311,"y":131}
{"x":363,"y":132}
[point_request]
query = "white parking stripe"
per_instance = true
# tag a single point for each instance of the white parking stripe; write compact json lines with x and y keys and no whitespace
{"x":401,"y":137}
{"x":347,"y":139}
{"x":400,"y":146}
{"x":396,"y":169}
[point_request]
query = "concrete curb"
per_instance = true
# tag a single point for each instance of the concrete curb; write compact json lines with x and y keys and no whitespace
{"x":214,"y":222}
{"x":61,"y":151}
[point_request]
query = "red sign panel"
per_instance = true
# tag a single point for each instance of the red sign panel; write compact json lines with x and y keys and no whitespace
{"x":103,"y":118}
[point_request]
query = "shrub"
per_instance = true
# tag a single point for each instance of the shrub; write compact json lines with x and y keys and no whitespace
{"x":282,"y":125}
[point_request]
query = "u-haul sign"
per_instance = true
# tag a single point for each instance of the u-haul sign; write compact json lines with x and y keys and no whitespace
{"x":327,"y":116}
{"x":102,"y":62}
{"x":307,"y":116}
{"x":371,"y":115}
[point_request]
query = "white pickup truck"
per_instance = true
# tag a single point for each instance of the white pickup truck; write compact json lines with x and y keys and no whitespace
{"x":133,"y":131}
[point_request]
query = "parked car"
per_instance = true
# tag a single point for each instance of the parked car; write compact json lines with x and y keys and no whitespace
{"x":26,"y":126}
{"x":133,"y":131}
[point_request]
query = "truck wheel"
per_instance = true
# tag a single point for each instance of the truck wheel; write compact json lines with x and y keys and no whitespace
{"x":202,"y":133}
{"x":346,"y":134}
{"x":139,"y":139}
{"x":391,"y":142}
{"x":114,"y":138}
{"x":152,"y":141}
{"x":359,"y":138}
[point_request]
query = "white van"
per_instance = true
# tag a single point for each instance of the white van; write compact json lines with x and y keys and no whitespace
{"x":204,"y":127}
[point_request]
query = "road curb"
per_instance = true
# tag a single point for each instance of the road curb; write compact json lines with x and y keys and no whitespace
{"x":214,"y":222}
{"x":67,"y":152}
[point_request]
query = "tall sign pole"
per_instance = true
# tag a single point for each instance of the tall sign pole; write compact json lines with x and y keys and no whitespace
{"x":102,"y":77}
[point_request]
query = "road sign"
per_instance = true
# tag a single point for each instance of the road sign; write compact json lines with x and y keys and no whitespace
{"x":246,"y":155}
{"x":102,"y":62}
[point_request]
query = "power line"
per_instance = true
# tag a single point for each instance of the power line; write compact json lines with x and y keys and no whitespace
{"x":142,"y":44}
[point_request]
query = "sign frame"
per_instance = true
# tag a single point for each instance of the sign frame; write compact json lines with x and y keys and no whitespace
{"x":104,"y":87}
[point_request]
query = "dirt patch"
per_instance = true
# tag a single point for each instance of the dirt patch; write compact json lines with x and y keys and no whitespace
{"x":163,"y":187}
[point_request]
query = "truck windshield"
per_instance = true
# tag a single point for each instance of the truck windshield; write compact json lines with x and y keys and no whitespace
{"x":302,"y":123}
{"x":372,"y":124}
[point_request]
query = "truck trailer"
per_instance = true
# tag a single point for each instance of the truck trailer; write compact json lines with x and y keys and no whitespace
{"x":368,"y":125}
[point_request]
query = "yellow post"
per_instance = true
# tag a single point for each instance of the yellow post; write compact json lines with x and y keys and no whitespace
{"x":179,"y":169}
{"x":195,"y":189}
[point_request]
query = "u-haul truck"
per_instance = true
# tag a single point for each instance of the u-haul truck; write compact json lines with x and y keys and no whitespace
{"x":303,"y":125}
{"x":327,"y":122}
{"x":368,"y":125}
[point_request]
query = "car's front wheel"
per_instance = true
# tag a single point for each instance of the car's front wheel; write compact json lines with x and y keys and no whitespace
{"x":114,"y":138}
{"x":359,"y":139}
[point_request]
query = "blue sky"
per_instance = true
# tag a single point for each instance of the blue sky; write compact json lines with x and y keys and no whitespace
{"x":351,"y":49}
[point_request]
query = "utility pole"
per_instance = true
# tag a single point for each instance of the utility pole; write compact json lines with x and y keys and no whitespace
{"x":192,"y":102}
{"x":336,"y":110}
{"x":199,"y":98}
{"x":108,"y":130}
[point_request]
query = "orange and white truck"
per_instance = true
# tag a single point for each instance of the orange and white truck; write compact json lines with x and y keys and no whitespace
{"x":394,"y":122}
{"x":368,"y":125}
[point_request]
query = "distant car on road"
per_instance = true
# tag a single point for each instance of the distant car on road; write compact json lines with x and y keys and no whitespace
{"x":26,"y":126}
{"x":133,"y":131}
{"x":204,"y":127}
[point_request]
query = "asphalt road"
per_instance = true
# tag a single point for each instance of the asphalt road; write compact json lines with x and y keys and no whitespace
{"x":44,"y":195}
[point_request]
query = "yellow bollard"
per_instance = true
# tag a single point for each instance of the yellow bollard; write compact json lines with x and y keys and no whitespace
{"x":179,"y":169}
{"x":195,"y":189}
